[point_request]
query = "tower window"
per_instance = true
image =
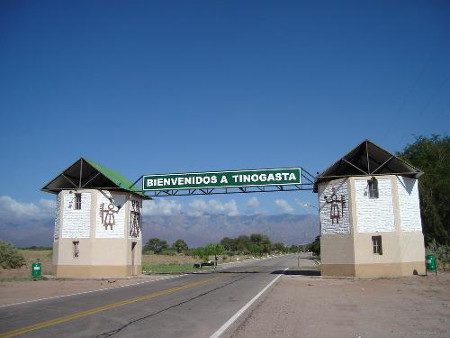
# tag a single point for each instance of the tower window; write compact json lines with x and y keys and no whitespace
{"x":377,"y":245}
{"x":77,"y":201}
{"x":76,"y":249}
{"x":373,"y":187}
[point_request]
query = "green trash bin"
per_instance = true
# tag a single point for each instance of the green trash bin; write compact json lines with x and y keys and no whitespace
{"x":430,"y":261}
{"x":36,"y":270}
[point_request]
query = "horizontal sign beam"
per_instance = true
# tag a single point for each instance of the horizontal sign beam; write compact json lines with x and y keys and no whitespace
{"x":223,"y":179}
{"x":229,"y":191}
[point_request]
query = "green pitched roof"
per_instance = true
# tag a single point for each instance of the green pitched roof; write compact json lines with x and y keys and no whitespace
{"x":86,"y":174}
{"x":121,"y":181}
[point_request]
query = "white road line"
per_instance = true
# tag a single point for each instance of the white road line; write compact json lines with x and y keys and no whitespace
{"x":103,"y":289}
{"x":230,"y":321}
{"x":91,"y":291}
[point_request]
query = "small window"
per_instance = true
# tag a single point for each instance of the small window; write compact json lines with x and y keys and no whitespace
{"x":77,"y":201}
{"x":377,"y":246}
{"x":373,"y":188}
{"x":76,"y":249}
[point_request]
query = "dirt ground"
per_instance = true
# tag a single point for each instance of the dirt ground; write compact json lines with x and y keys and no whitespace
{"x":301,"y":306}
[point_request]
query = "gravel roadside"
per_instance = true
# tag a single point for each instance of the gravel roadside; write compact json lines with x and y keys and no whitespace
{"x":305,"y":306}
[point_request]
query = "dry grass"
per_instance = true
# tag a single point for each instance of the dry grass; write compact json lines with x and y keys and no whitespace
{"x":166,"y":259}
{"x":45,"y":258}
{"x":178,"y":263}
{"x":31,"y":256}
{"x":183,"y":260}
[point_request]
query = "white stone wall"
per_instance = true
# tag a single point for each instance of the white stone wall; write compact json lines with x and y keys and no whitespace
{"x":409,"y":205}
{"x":111,"y":222}
{"x":333,"y":204}
{"x":76,"y":223}
{"x":374,"y":214}
{"x":57,"y":210}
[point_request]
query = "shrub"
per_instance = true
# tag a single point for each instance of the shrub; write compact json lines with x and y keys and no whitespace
{"x":156,"y":245}
{"x":442,"y":253}
{"x":315,"y":246}
{"x":10,"y":257}
{"x":168,"y":252}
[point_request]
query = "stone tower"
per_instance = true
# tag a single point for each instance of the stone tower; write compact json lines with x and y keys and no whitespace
{"x":370,"y":215}
{"x":98,"y":222}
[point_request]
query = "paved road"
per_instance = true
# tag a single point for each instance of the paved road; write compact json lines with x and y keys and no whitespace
{"x":195,"y":305}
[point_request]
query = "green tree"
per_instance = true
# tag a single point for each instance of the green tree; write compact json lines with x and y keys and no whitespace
{"x":432,"y":156}
{"x":229,"y":244}
{"x":179,"y":246}
{"x":243,"y":244}
{"x":294,"y":249}
{"x":279,"y":247}
{"x":10,"y":257}
{"x":315,"y":246}
{"x":200,"y":253}
{"x":256,"y":250}
{"x":156,"y":245}
{"x":214,"y":249}
{"x":263,"y":241}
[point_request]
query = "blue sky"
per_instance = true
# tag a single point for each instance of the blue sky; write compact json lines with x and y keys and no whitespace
{"x":179,"y":86}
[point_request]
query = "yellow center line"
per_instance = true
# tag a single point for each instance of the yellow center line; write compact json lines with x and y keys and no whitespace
{"x":98,"y":309}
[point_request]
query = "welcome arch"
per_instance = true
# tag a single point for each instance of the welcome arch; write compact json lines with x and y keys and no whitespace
{"x":364,"y":233}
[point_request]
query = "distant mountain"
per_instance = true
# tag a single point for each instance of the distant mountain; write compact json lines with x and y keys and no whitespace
{"x":27,"y":232}
{"x":200,"y":230}
{"x":195,"y":230}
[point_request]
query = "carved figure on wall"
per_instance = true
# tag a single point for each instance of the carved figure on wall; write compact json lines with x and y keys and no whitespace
{"x":107,"y":215}
{"x":135,"y":218}
{"x":336,"y":206}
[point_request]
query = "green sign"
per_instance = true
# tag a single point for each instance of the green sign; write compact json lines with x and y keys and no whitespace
{"x":223,"y":179}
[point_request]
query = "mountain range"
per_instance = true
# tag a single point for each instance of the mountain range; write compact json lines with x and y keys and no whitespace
{"x":200,"y":230}
{"x":195,"y":230}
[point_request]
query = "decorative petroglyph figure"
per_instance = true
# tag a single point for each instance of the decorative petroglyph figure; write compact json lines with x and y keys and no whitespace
{"x":336,"y":207}
{"x":107,"y":215}
{"x":135,"y":218}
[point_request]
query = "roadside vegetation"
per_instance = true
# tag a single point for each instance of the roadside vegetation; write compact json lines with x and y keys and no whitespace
{"x":442,"y":253}
{"x":185,"y":259}
{"x":255,"y":245}
{"x":170,"y":268}
{"x":16,"y":263}
{"x":313,"y":247}
{"x":10,"y":257}
{"x":432,"y":156}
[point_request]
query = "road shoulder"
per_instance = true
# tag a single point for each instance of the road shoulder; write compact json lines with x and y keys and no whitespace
{"x":303,"y":306}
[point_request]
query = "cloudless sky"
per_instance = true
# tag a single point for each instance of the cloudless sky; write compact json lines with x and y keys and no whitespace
{"x":171,"y":86}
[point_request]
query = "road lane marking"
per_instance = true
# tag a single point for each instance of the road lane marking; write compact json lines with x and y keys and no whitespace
{"x":238,"y":263}
{"x":98,"y":309}
{"x":230,"y":321}
{"x":91,"y":291}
